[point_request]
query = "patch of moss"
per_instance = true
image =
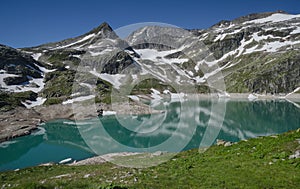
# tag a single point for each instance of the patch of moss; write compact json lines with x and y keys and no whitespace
{"x":51,"y":101}
{"x":103,"y":90}
{"x":9,"y":101}
{"x":59,"y":84}
{"x":144,"y":87}
{"x":60,"y":56}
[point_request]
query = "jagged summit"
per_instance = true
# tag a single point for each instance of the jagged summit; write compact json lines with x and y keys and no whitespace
{"x":105,"y":30}
{"x":102,"y":31}
{"x":102,"y":27}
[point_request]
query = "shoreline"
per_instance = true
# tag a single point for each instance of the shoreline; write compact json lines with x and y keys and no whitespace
{"x":22,"y":121}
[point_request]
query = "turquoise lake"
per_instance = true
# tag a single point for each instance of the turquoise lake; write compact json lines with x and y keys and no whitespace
{"x":181,"y":126}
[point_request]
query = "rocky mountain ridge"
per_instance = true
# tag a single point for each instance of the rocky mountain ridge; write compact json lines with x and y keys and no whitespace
{"x":257,"y":53}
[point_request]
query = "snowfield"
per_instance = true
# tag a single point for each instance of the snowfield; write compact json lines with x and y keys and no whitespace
{"x":115,"y":79}
{"x":78,"y":99}
{"x":274,"y":18}
{"x":29,"y":104}
{"x":76,"y":42}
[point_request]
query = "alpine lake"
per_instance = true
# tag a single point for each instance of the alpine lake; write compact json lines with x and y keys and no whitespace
{"x":180,"y":126}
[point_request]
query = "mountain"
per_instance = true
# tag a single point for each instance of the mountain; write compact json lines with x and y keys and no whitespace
{"x":257,"y":53}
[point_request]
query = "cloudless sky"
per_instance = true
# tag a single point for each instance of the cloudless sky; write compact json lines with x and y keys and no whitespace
{"x":25,"y":23}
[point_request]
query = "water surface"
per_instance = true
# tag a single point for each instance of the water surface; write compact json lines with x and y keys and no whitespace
{"x":182,"y":126}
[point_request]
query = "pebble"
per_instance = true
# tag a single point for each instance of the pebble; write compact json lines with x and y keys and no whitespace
{"x":158,"y":153}
{"x":87,"y":176}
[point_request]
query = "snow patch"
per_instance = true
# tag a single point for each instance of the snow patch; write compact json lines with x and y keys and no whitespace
{"x":76,"y":42}
{"x":113,"y":79}
{"x":106,"y":113}
{"x":35,"y":84}
{"x":199,"y":79}
{"x":45,"y":70}
{"x":39,"y":101}
{"x":297,"y":89}
{"x":159,"y":56}
{"x":76,"y":56}
{"x":134,"y":97}
{"x":78,"y":99}
{"x":36,"y":56}
{"x":278,"y":17}
{"x":3,"y":75}
{"x":190,"y":73}
{"x":252,"y":97}
{"x":223,"y":95}
{"x":273,"y":46}
{"x":296,"y":31}
{"x":68,"y":160}
{"x":155,"y":94}
{"x":166,"y":92}
{"x":220,"y":37}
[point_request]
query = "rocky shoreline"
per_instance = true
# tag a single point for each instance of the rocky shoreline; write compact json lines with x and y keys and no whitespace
{"x":22,"y":121}
{"x":18,"y":122}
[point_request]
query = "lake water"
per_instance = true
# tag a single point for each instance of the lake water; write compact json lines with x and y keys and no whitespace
{"x":181,"y":126}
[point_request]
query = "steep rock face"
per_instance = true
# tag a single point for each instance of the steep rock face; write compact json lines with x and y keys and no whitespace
{"x":15,"y":62}
{"x":256,"y":53}
{"x":281,"y":77}
{"x":117,"y":63}
{"x":220,"y":48}
{"x":266,"y":74}
{"x":100,"y":49}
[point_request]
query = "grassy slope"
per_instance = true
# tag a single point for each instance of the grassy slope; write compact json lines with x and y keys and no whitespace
{"x":257,"y":163}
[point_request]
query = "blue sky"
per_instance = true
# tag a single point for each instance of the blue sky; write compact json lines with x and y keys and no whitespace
{"x":25,"y":23}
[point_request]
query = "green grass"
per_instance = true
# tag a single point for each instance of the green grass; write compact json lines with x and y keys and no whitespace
{"x":144,"y":87}
{"x":9,"y":101}
{"x":58,"y":84}
{"x":257,"y":163}
{"x":57,"y":57}
{"x":53,"y":100}
{"x":104,"y":90}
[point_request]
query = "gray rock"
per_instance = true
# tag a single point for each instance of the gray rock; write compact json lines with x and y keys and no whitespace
{"x":295,"y":155}
{"x":228,"y":144}
{"x":220,"y":142}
